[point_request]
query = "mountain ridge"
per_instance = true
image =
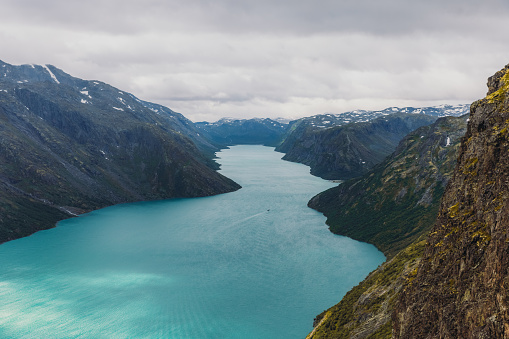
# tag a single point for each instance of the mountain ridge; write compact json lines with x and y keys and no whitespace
{"x":344,"y":152}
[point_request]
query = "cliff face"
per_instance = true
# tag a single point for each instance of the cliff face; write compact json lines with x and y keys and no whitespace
{"x":461,"y":289}
{"x":402,"y":194}
{"x":402,"y":197}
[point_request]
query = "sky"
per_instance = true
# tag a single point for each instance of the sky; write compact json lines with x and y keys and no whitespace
{"x":267,"y":58}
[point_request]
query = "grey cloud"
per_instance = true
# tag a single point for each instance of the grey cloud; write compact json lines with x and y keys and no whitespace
{"x":247,"y":58}
{"x":282,"y":17}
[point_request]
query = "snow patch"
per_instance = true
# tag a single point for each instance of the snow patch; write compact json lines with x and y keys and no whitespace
{"x":83,"y":101}
{"x":448,"y":142}
{"x":118,"y":109}
{"x":51,"y":74}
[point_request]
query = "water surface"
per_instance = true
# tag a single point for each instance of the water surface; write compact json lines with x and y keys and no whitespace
{"x":256,"y":263}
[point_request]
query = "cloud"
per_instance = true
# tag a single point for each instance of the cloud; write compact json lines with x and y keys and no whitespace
{"x":209,"y":59}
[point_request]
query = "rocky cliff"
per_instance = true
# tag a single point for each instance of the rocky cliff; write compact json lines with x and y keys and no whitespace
{"x":461,"y":287}
{"x":69,"y":145}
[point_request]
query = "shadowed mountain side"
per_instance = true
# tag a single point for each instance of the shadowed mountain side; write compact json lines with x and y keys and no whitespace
{"x":69,"y":145}
{"x":349,"y":151}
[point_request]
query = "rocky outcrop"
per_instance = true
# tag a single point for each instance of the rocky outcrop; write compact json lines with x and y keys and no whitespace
{"x":461,"y":287}
{"x":402,"y":194}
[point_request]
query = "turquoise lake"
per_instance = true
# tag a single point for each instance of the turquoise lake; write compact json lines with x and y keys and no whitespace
{"x":256,"y":263}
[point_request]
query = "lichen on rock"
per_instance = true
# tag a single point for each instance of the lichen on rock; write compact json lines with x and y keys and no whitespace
{"x":461,"y":287}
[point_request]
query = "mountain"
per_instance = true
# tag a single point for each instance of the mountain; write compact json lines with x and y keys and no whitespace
{"x":69,"y":145}
{"x":460,"y":289}
{"x":228,"y":131}
{"x":452,"y":282}
{"x":348,"y":151}
{"x":327,"y":120}
{"x":402,"y":194}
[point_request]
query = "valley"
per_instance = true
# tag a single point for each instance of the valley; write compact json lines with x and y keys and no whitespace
{"x":70,"y":146}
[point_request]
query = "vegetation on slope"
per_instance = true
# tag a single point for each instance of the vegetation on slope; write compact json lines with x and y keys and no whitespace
{"x":365,"y":311}
{"x":398,"y":200}
{"x":393,"y":206}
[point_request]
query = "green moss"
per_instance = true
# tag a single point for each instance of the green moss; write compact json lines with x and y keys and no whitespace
{"x":384,"y":332}
{"x":453,"y":211}
{"x":499,"y":95}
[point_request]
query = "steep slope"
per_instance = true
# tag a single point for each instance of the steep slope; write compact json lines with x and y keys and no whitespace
{"x":402,"y":193}
{"x":366,"y":310}
{"x":461,"y":287}
{"x":227,"y":131}
{"x":349,"y":151}
{"x":393,"y":206}
{"x":69,"y":145}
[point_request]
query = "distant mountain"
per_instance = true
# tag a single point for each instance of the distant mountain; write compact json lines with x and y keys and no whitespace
{"x":69,"y":145}
{"x":327,"y":120}
{"x":392,"y":206}
{"x":229,"y":131}
{"x":344,"y":152}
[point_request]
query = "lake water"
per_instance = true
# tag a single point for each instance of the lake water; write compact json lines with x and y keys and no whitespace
{"x":256,"y":263}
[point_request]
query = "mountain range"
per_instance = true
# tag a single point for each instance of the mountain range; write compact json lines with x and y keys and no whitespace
{"x":69,"y":146}
{"x":402,"y":193}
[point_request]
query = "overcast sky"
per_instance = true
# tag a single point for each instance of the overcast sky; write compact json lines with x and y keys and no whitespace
{"x":267,"y":58}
